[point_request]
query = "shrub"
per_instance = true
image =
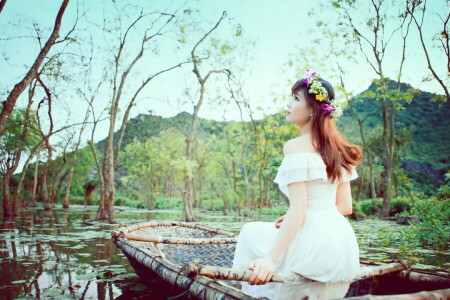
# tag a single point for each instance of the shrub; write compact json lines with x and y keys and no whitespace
{"x":365,"y":206}
{"x":168,"y":203}
{"x":399,"y":205}
{"x":278,"y":210}
{"x":434,"y":229}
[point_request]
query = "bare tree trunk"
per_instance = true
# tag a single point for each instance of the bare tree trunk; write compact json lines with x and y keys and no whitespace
{"x":443,"y":37}
{"x":58,"y":174}
{"x":188,"y":213}
{"x":20,"y":183}
{"x":365,"y":144}
{"x":110,"y":158}
{"x":2,"y":5}
{"x":378,"y":47}
{"x":74,"y":161}
{"x":88,"y":189}
{"x":35,"y":181}
{"x":106,"y":210}
{"x":69,"y":182}
{"x":11,"y":100}
{"x":244,"y":150}
{"x":48,"y":204}
{"x":46,"y":199}
{"x":387,"y":196}
{"x":11,"y":162}
{"x":7,"y":203}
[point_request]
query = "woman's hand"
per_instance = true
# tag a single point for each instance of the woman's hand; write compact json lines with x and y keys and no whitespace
{"x":278,"y":222}
{"x":263,"y":270}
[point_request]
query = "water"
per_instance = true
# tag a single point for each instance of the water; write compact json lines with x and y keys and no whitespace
{"x":63,"y":254}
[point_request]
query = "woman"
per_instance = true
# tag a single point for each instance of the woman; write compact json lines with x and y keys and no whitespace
{"x":313,"y":238}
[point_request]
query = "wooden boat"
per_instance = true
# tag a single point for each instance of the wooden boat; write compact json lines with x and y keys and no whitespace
{"x":196,"y":260}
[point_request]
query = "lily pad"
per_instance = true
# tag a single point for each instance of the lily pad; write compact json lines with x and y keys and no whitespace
{"x":19,"y":281}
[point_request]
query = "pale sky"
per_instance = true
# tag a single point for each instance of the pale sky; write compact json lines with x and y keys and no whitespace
{"x":279,"y":28}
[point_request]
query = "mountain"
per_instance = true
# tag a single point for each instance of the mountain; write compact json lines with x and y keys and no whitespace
{"x":421,"y":126}
{"x":425,"y":121}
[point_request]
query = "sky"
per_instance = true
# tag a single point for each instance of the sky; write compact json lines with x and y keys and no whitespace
{"x":280,"y":30}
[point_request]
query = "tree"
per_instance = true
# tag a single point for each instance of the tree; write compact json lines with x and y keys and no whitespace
{"x":74,"y":161}
{"x":188,"y":213}
{"x":110,"y":157}
{"x":16,"y":140}
{"x":412,"y":6}
{"x":376,"y":42}
{"x":32,"y":73}
{"x":2,"y":5}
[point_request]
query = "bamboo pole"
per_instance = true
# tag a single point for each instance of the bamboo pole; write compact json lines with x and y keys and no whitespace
{"x":173,"y":240}
{"x":141,"y":225}
{"x":191,"y":270}
{"x":370,"y":271}
{"x":423,"y":295}
{"x":419,"y":277}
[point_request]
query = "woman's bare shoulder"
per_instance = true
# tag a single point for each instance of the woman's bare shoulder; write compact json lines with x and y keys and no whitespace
{"x":298,"y":145}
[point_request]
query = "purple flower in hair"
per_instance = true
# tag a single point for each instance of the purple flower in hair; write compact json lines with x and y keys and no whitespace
{"x":306,"y":80}
{"x":327,"y":108}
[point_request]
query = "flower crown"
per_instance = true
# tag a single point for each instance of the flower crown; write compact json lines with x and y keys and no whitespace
{"x":315,"y":87}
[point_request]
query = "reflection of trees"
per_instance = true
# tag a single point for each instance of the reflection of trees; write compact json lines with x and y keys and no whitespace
{"x":85,"y":216}
{"x":5,"y":227}
{"x":103,"y":252}
{"x":8,"y":266}
{"x":85,"y":290}
{"x":39,"y":272}
{"x":69,"y":276}
{"x":38,"y":225}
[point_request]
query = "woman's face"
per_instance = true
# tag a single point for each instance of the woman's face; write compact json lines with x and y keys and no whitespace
{"x":298,"y":110}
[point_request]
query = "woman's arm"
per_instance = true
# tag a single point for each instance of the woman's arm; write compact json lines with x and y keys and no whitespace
{"x":293,"y":219}
{"x":344,"y":198}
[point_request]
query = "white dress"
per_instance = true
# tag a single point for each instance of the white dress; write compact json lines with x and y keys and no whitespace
{"x":324,"y":249}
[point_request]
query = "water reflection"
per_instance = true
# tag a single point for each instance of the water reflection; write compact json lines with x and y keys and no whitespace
{"x":64,"y":254}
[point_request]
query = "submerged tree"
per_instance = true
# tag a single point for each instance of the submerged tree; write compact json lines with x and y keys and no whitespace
{"x":121,"y":70}
{"x":17,"y":139}
{"x":373,"y":45}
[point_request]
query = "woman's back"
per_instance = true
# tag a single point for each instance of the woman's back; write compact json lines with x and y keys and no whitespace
{"x":310,"y":167}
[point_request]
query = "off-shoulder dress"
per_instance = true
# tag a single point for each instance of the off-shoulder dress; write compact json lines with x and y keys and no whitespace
{"x":324,"y":249}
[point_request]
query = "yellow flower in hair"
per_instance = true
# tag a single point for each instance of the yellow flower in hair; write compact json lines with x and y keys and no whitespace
{"x":319,"y":97}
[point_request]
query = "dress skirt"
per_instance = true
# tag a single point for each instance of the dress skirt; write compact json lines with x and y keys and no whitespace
{"x":324,"y":249}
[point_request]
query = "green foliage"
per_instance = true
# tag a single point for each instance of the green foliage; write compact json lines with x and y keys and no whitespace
{"x":434,"y":229}
{"x":420,"y":148}
{"x":121,"y":200}
{"x":168,"y":203}
{"x":366,"y":206}
{"x":278,"y":210}
{"x":85,"y":165}
{"x":357,"y":210}
{"x":10,"y":141}
{"x":152,"y":162}
{"x":444,"y":190}
{"x":75,"y":200}
{"x":398,"y":205}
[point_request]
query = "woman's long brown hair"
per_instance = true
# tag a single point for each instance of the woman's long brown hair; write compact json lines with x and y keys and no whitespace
{"x":326,"y":139}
